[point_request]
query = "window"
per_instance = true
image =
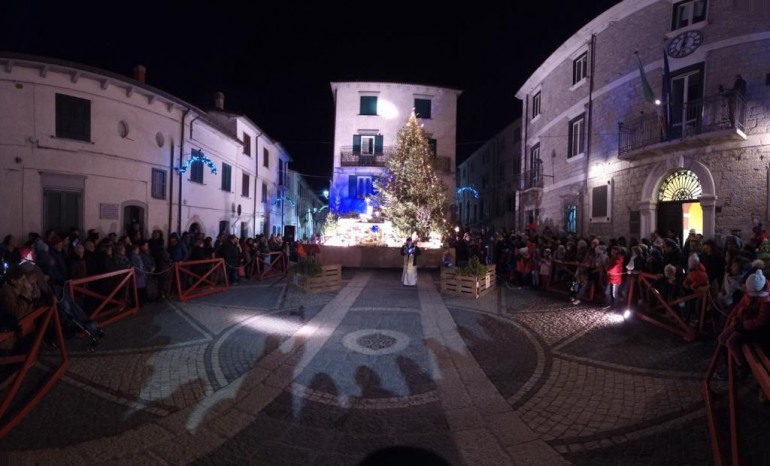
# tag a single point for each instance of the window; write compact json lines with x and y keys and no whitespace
{"x":580,"y":68}
{"x":422,"y":108}
{"x":282,"y":168}
{"x":433,"y":147}
{"x":158,"y":184}
{"x":73,"y":118}
{"x":368,"y":105}
{"x":536,"y":105}
{"x":360,"y":186}
{"x":265,"y":158}
{"x":245,"y":185}
{"x":196,"y":171}
{"x":264,"y":192}
{"x":247,"y":144}
{"x":687,"y":13}
{"x":367,"y":145}
{"x":576,"y":136}
{"x":570,"y":218}
{"x":227,"y":177}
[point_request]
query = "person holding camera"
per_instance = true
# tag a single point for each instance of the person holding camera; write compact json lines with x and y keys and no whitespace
{"x":410,"y":251}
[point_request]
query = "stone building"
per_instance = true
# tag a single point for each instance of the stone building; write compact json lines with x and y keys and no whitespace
{"x":606,"y":154}
{"x":487,"y":183}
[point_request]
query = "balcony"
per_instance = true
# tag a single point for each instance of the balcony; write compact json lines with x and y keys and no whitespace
{"x":354,"y":158}
{"x":530,"y":179}
{"x":697,"y":123}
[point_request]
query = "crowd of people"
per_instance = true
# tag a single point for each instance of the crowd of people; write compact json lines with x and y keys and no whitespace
{"x":35,"y":269}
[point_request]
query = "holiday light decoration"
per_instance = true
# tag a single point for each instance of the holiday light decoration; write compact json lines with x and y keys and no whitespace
{"x":282,"y":199}
{"x":411,"y":194}
{"x":470,"y":189}
{"x":197,"y":156}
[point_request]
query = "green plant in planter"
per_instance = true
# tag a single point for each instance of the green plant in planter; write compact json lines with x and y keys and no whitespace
{"x":474,"y":268}
{"x":307,"y":267}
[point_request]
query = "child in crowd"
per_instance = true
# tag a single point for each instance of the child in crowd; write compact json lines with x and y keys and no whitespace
{"x":546,"y":264}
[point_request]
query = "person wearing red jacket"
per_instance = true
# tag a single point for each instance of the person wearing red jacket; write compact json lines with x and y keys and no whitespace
{"x":614,"y":270}
{"x":695,"y":280}
{"x":749,"y":321}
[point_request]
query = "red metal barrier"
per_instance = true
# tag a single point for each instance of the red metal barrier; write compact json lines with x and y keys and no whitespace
{"x":759,"y":363}
{"x":654,"y":308}
{"x":191,"y":283}
{"x":32,"y":326}
{"x":267,"y":265}
{"x":121,"y":301}
{"x":569,"y":272}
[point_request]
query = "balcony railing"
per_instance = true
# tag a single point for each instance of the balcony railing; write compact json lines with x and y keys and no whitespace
{"x":355,"y":158}
{"x":719,"y":113}
{"x":530,"y":179}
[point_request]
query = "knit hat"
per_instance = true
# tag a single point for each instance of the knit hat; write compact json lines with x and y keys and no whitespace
{"x":755,"y":284}
{"x":26,"y":253}
{"x":693,"y":261}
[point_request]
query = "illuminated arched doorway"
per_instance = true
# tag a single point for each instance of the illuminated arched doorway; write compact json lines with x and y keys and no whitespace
{"x":679,"y":208}
{"x":655,"y":185}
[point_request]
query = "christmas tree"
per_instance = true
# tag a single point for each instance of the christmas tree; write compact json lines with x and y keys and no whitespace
{"x":411,"y":195}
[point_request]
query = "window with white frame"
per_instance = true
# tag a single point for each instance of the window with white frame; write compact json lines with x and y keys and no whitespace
{"x":536,"y":104}
{"x":580,"y":68}
{"x":576,"y":136}
{"x":158,"y":183}
{"x":687,"y":13}
{"x":367,"y":145}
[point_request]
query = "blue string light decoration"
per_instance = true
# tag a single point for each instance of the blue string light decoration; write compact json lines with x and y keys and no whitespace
{"x":197,"y":156}
{"x":284,"y":198}
{"x":468,"y":188}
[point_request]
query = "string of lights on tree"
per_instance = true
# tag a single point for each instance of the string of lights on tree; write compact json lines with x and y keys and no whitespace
{"x":411,"y":194}
{"x":197,"y":156}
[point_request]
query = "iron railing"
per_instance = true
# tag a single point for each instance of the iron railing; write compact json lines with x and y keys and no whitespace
{"x":530,"y":179}
{"x":720,"y":112}
{"x":355,"y":158}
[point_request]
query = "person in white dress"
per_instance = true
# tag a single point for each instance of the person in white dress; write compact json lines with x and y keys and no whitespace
{"x":410,"y":251}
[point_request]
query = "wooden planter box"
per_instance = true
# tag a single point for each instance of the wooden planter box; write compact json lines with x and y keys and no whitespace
{"x":329,"y":279}
{"x":462,"y":285}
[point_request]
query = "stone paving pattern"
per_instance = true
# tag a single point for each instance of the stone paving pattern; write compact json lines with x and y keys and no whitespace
{"x":265,"y":374}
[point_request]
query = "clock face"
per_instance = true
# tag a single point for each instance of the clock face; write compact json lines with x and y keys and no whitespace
{"x":685,"y":44}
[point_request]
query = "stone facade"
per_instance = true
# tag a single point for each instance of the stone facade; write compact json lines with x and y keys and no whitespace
{"x":726,"y":152}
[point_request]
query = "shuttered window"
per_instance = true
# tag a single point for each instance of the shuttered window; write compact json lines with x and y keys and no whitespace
{"x":158,"y":184}
{"x":73,"y":117}
{"x":227,"y":177}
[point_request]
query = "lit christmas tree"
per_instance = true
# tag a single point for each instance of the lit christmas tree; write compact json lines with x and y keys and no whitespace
{"x":411,"y":195}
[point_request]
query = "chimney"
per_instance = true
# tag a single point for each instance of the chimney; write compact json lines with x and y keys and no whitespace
{"x":219,"y":101}
{"x":140,"y":73}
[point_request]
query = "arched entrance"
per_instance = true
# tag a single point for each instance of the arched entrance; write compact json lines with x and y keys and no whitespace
{"x":679,"y":197}
{"x":679,"y":209}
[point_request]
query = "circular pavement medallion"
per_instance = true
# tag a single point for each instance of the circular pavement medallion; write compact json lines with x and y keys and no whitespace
{"x":374,"y":341}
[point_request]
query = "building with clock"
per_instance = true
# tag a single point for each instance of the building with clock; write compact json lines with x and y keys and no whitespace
{"x":653,"y":116}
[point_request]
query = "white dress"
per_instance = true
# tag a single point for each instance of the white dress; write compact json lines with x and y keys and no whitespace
{"x":409,"y":275}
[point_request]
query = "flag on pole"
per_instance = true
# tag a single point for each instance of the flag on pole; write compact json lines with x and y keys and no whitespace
{"x":667,"y":92}
{"x":649,"y":96}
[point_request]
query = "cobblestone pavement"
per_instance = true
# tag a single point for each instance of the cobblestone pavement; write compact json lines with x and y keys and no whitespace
{"x":264,"y":374}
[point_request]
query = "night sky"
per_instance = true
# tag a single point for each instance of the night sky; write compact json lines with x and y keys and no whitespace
{"x":275,"y":61}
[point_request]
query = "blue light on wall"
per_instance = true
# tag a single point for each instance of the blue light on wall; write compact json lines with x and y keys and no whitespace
{"x":468,"y":188}
{"x":283,"y":198}
{"x":197,"y":156}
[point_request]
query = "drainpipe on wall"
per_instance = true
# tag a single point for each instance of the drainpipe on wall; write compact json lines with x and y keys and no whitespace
{"x":171,"y":174}
{"x":589,"y":126}
{"x":181,"y":156}
{"x":523,"y":165}
{"x":256,"y":179}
